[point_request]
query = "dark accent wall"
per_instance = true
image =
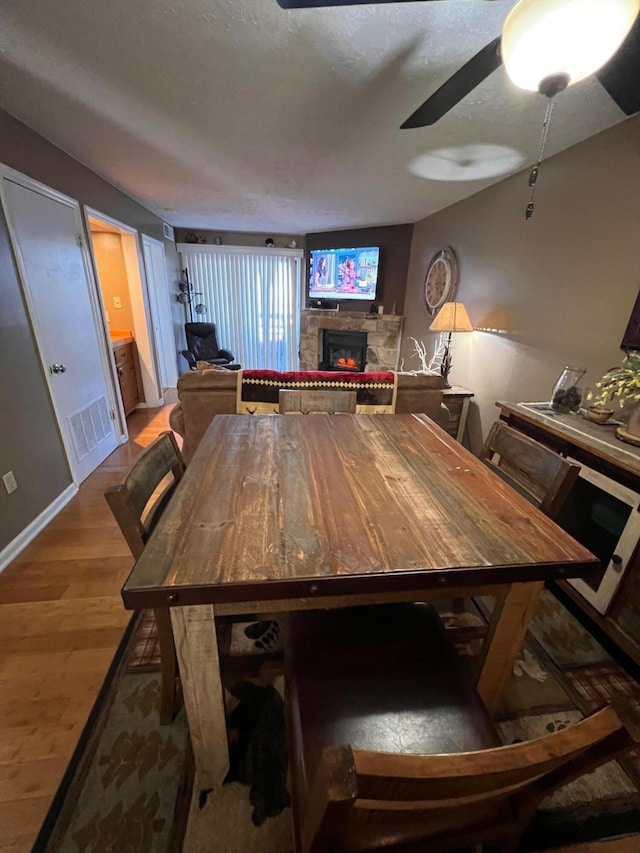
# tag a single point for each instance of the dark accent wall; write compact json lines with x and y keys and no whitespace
{"x":395,"y":249}
{"x":30,"y":444}
{"x":631,"y":337}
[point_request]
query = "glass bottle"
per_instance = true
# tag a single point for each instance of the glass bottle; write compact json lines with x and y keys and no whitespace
{"x":567,"y":392}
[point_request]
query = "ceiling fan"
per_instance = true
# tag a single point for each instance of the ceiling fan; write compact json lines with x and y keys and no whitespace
{"x":545,"y":45}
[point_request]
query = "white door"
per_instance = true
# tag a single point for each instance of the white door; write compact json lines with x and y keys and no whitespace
{"x":156,"y":270}
{"x":45,"y":232}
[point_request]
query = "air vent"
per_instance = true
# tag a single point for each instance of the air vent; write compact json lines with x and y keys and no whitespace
{"x":90,"y":426}
{"x":168,"y":232}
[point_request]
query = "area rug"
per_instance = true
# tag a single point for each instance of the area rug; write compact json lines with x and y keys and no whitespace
{"x":130,"y":787}
{"x":562,"y":675}
{"x":128,"y":783}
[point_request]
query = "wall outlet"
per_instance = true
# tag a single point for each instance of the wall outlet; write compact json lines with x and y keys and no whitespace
{"x":10,"y":482}
{"x":117,"y":302}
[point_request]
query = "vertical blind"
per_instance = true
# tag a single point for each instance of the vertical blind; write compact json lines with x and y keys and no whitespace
{"x":253,"y":297}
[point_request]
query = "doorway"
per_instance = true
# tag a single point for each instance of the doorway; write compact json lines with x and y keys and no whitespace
{"x":159,"y":301}
{"x":127,"y":313}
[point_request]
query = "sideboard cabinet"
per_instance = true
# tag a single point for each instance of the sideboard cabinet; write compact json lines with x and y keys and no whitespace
{"x":602,"y":512}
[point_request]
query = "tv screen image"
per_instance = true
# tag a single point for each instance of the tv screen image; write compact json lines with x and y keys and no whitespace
{"x":344,"y":273}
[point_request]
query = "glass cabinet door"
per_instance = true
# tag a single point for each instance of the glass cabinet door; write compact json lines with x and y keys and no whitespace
{"x":604,"y":517}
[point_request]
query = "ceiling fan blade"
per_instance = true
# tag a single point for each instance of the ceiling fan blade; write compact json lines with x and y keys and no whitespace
{"x":621,"y":75}
{"x":317,"y":4}
{"x":464,"y":81}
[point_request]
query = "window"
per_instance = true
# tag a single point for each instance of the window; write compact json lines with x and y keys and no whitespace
{"x":253,"y":297}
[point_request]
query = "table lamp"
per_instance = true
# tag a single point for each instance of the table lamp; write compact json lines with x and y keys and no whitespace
{"x":452,"y":317}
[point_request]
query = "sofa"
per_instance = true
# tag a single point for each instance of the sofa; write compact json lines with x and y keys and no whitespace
{"x":205,"y":393}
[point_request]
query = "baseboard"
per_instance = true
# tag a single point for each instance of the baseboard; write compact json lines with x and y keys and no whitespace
{"x":17,"y":545}
{"x":149,"y":405}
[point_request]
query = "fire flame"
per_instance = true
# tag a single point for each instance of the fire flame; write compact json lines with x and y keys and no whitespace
{"x":350,"y":363}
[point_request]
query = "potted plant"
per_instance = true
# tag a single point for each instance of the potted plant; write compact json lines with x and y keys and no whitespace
{"x":622,"y":383}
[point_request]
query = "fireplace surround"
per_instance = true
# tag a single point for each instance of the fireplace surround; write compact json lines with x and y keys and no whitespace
{"x":383,"y":333}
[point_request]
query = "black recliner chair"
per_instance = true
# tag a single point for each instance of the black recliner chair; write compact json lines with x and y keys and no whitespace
{"x":202,"y":345}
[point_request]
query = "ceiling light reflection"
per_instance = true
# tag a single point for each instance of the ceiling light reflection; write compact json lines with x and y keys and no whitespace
{"x":467,"y":162}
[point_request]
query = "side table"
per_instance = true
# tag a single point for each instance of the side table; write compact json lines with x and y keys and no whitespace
{"x":457,"y":400}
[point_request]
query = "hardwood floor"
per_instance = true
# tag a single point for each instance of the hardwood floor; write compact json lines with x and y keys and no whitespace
{"x":61,"y":619}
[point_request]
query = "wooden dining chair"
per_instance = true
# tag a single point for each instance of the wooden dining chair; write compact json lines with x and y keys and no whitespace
{"x":137,"y":505}
{"x":533,"y":470}
{"x":316,"y":400}
{"x":392,"y":750}
{"x":537,"y":473}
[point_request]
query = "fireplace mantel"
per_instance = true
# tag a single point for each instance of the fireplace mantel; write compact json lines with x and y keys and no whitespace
{"x":384,"y":333}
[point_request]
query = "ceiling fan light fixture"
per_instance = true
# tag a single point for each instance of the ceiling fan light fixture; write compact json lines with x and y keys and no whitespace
{"x":542,"y":39}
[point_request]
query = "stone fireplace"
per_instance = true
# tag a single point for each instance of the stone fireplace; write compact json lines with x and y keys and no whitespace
{"x":383,"y":334}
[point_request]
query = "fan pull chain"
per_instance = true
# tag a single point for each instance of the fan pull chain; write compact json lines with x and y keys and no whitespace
{"x":535,"y":171}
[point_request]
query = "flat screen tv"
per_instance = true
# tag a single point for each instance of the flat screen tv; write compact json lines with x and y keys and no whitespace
{"x":336,"y":274}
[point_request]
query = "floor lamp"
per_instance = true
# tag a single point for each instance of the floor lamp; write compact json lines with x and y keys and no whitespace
{"x":452,"y":317}
{"x":186,"y":297}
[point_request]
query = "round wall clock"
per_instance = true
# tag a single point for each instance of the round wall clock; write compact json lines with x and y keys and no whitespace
{"x":441,"y":279}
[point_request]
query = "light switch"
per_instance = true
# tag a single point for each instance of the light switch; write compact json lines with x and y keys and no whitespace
{"x":10,"y":482}
{"x":117,"y":302}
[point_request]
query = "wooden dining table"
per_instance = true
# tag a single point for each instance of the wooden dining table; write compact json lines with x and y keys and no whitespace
{"x":277,"y":514}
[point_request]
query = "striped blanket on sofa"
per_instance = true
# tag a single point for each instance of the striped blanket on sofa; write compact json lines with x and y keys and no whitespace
{"x":258,"y":389}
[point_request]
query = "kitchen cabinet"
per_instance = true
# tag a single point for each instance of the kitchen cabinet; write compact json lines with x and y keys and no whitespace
{"x":127,"y":367}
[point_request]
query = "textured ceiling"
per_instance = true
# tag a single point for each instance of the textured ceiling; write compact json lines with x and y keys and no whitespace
{"x":237,"y":115}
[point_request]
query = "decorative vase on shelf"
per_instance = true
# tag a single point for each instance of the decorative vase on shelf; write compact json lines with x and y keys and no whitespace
{"x":567,"y":392}
{"x":634,"y":421}
{"x":622,"y":383}
{"x":631,"y":432}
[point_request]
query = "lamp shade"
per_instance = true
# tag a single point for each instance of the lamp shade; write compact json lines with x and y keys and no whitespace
{"x":543,"y":38}
{"x":452,"y":317}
